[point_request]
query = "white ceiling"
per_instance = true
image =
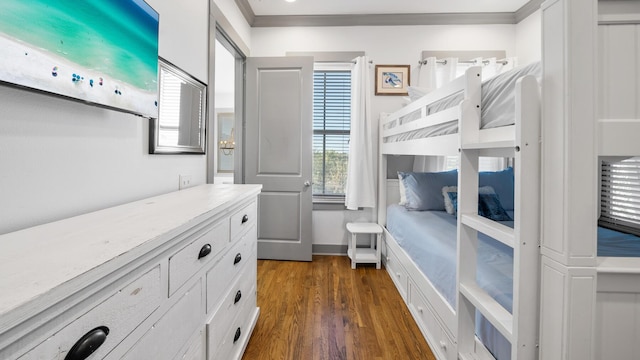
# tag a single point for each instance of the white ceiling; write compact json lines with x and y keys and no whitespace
{"x":352,"y":7}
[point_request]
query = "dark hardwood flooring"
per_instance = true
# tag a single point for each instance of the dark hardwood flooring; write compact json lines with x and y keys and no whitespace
{"x":325,"y":310}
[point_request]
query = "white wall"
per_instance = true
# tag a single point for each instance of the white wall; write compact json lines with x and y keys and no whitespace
{"x":384,"y":45}
{"x":184,"y":34}
{"x":529,"y":39}
{"x":60,"y":158}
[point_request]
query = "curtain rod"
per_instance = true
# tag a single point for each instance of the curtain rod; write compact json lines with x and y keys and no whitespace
{"x":444,"y":62}
{"x":340,"y":62}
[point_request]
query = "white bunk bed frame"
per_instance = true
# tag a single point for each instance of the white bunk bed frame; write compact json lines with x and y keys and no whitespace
{"x":585,"y":306}
{"x":449,"y":331}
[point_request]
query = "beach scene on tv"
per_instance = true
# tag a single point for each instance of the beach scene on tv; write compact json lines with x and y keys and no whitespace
{"x":100,"y":51}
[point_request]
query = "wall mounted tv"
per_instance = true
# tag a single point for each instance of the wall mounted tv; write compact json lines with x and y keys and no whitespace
{"x":103,"y":52}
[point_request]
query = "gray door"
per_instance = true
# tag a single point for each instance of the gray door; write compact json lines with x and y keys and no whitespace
{"x":278,"y":138}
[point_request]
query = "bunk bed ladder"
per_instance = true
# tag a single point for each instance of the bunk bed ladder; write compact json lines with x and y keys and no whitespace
{"x":519,"y":327}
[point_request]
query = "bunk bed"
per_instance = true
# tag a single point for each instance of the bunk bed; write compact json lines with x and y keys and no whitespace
{"x":589,"y":300}
{"x":463,"y":310}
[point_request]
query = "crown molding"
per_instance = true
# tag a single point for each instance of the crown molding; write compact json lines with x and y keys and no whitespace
{"x":246,"y":11}
{"x":527,"y":9}
{"x":387,"y":19}
{"x":384,"y":19}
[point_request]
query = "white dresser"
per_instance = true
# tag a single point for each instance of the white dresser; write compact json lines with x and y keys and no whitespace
{"x":169,"y":277}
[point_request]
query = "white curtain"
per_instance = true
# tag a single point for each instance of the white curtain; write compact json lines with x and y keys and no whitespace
{"x":428,"y":74}
{"x":511,"y":63}
{"x":447,"y":72}
{"x":442,"y":74}
{"x":360,"y":187}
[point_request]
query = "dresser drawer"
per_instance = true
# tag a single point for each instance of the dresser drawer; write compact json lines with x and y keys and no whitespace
{"x":196,"y":349}
{"x":222,"y":274}
{"x":241,"y":292}
{"x":426,"y":319}
{"x":397,"y":272}
{"x":190,"y":259}
{"x":242,"y":219}
{"x":168,"y":335}
{"x":226,"y":342}
{"x":117,"y":317}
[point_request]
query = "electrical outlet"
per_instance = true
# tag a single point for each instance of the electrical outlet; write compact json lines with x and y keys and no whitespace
{"x":185,"y":182}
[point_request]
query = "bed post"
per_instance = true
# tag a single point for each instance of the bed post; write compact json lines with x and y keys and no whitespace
{"x":569,"y":179}
{"x":382,"y":176}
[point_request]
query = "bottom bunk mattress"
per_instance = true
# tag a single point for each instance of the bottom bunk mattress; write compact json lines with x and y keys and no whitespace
{"x":429,"y":238}
{"x":618,"y":244}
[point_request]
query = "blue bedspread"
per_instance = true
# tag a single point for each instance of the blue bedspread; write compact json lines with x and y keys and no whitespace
{"x":429,"y":238}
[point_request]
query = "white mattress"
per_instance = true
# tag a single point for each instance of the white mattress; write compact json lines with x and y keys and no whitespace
{"x":498,"y":105}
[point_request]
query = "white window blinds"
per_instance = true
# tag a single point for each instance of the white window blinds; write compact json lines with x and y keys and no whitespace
{"x":620,"y":195}
{"x":331,"y":125}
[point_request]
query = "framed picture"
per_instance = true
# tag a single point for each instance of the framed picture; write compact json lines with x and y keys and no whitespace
{"x":392,"y":79}
{"x":100,"y":52}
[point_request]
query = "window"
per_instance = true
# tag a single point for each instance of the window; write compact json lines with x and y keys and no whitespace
{"x":620,"y":195}
{"x":331,"y":124}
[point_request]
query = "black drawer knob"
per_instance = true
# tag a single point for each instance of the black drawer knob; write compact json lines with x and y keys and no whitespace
{"x":237,"y":335}
{"x":245,"y":218}
{"x":237,"y":259}
{"x":206,"y":250}
{"x":238,"y":297}
{"x":88,"y":344}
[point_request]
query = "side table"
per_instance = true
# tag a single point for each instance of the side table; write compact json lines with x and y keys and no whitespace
{"x":364,"y":255}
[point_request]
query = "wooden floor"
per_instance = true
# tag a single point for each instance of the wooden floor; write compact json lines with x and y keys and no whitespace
{"x":324,"y":310}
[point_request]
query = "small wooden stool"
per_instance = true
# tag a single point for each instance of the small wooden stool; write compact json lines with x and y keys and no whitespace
{"x":364,"y":255}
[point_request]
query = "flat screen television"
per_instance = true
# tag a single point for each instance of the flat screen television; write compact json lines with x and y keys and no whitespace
{"x":104,"y":52}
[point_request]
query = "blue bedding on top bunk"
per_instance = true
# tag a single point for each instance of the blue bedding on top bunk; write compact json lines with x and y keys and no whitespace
{"x":618,"y":244}
{"x":429,"y":238}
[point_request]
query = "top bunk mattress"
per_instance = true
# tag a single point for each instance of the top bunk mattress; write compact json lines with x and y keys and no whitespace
{"x":498,"y":105}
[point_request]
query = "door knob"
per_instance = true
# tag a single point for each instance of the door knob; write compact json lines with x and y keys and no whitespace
{"x":307,"y":183}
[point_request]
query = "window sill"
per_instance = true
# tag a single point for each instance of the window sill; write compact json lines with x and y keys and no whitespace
{"x":328,"y":203}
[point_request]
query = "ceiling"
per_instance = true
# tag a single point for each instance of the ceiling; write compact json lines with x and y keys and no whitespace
{"x":350,"y":7}
{"x":266,"y":13}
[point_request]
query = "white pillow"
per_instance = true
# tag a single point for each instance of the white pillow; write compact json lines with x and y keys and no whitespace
{"x":403,"y":191}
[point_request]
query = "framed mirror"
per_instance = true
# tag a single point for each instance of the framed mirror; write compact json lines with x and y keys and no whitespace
{"x":182,"y":108}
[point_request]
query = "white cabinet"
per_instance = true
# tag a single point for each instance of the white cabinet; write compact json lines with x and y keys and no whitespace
{"x":170,"y":277}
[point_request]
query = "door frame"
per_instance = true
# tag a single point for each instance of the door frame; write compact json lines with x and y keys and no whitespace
{"x":217,"y":32}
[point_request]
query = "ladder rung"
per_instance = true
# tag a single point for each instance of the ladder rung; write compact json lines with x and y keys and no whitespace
{"x":489,"y":145}
{"x":494,"y":229}
{"x":489,"y":308}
